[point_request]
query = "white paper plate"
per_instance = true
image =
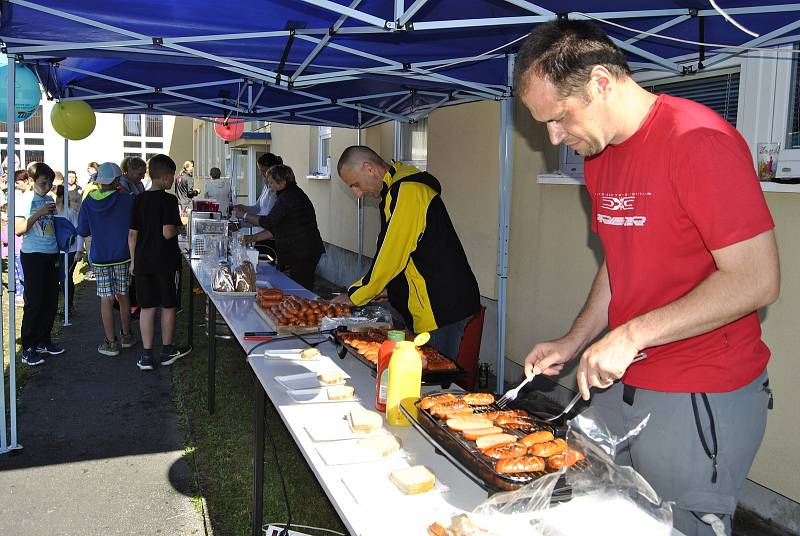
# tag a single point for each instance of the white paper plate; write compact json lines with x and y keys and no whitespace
{"x":306,"y":380}
{"x":376,"y":487}
{"x":288,"y":355}
{"x":348,"y":453}
{"x":338,"y":430}
{"x":315,"y":396}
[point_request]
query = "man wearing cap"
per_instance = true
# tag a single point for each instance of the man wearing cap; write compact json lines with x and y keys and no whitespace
{"x":105,"y":215}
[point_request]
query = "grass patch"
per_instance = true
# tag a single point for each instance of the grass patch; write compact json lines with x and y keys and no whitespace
{"x":220,"y":445}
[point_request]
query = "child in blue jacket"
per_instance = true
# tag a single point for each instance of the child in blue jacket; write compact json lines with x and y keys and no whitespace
{"x":105,"y":215}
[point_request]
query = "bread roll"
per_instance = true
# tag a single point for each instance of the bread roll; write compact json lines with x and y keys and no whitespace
{"x":472,"y":435}
{"x":308,"y":353}
{"x":542,"y":436}
{"x":468,"y":423}
{"x":489,"y":441}
{"x":508,"y":450}
{"x":331,"y":377}
{"x":523,"y":464}
{"x":478,"y":399}
{"x":430,"y":401}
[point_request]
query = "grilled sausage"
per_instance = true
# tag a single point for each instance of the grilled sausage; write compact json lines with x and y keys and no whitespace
{"x":519,"y":423}
{"x":542,"y":436}
{"x":509,"y":450}
{"x":567,"y":458}
{"x":523,"y":464}
{"x":430,"y":401}
{"x":551,"y":448}
{"x":478,"y":399}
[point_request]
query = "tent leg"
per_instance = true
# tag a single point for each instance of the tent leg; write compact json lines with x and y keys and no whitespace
{"x":12,"y":324}
{"x":503,"y":224}
{"x":66,"y":253}
{"x":359,"y":207}
{"x":3,"y":426}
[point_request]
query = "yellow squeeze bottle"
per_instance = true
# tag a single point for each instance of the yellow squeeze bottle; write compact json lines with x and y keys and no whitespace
{"x":405,"y":378}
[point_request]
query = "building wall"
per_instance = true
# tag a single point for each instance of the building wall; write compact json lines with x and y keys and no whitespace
{"x":105,"y":142}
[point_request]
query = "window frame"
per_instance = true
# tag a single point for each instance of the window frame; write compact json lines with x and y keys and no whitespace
{"x":406,"y":133}
{"x":324,"y":133}
{"x":143,"y":138}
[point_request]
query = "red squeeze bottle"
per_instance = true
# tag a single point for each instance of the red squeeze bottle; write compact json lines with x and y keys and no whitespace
{"x":382,"y":377}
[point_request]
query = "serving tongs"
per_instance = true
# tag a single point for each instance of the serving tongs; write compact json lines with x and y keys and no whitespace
{"x":639,"y":357}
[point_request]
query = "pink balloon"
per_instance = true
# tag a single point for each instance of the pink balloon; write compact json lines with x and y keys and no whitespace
{"x":230,"y":131}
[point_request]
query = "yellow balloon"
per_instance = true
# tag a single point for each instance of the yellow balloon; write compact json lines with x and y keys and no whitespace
{"x":73,"y":120}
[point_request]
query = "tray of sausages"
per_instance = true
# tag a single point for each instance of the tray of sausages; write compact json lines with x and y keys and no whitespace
{"x":501,"y":449}
{"x":287,"y":313}
{"x":363,"y":345}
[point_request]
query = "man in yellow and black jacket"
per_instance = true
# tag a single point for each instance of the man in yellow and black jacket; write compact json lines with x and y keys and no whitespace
{"x":420,"y":261}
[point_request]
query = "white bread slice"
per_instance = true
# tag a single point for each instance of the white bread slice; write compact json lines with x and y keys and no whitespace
{"x":364,"y":421}
{"x":382,"y":445}
{"x":413,"y":480}
{"x":308,"y":353}
{"x":468,"y":423}
{"x":488,"y":441}
{"x":340,"y":392}
{"x":331,"y":377}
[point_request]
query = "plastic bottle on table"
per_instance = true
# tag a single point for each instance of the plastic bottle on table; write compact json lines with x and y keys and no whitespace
{"x":382,"y":377}
{"x":405,"y":379}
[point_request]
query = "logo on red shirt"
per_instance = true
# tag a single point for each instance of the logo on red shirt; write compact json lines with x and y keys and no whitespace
{"x":616,"y":202}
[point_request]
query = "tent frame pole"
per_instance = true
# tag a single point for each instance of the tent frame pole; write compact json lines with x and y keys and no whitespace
{"x":66,"y":253}
{"x":12,"y":277}
{"x":504,"y":222}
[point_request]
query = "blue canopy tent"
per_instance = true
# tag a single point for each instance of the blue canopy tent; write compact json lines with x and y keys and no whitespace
{"x":323,"y":62}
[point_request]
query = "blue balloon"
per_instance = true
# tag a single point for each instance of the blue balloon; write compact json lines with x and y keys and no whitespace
{"x":26,"y":96}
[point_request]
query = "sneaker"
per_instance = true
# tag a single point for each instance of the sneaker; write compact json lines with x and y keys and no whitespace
{"x":129,"y":340}
{"x":110,"y":348}
{"x":90,"y":276}
{"x":171,"y":353}
{"x":145,"y":362}
{"x":49,"y":348}
{"x":19,"y":302}
{"x":31,"y":357}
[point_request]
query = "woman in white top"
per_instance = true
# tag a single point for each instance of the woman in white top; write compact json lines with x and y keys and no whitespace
{"x":267,"y":198}
{"x":219,"y":190}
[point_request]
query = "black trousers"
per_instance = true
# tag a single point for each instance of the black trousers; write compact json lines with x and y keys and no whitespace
{"x":303,"y":272}
{"x":60,"y":267}
{"x":41,"y":297}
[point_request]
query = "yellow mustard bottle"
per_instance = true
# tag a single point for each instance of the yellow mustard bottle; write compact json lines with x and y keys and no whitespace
{"x":405,"y":379}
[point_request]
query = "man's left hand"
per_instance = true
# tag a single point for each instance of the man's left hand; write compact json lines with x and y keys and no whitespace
{"x":606,"y":361}
{"x":342,"y":299}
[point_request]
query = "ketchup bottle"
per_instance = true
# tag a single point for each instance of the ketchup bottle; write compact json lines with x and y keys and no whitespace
{"x":382,"y":377}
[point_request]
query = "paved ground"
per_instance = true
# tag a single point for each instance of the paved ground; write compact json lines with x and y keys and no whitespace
{"x":102,"y":446}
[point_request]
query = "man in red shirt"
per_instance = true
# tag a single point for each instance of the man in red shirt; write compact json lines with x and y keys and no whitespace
{"x":690,"y":257}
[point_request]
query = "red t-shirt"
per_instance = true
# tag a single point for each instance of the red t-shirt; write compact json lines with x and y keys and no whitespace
{"x":682,"y":186}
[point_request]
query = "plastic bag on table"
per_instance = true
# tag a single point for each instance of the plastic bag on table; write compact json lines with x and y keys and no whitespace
{"x":223,"y":279}
{"x":363,"y":317}
{"x":605,"y":498}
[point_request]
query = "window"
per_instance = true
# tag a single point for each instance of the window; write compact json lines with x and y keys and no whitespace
{"x":148,"y":156}
{"x":414,"y":143}
{"x":131,"y":125}
{"x":324,"y":151}
{"x":793,"y":135}
{"x":128,"y":155}
{"x":31,"y":144}
{"x":155,"y":126}
{"x":33,"y":156}
{"x":142,"y":131}
{"x":720,"y":92}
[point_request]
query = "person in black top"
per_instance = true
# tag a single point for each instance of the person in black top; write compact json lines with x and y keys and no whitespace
{"x":156,"y":257}
{"x":184,"y":186}
{"x":293,"y":223}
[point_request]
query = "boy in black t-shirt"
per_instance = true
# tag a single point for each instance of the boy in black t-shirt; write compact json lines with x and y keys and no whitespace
{"x":153,"y":241}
